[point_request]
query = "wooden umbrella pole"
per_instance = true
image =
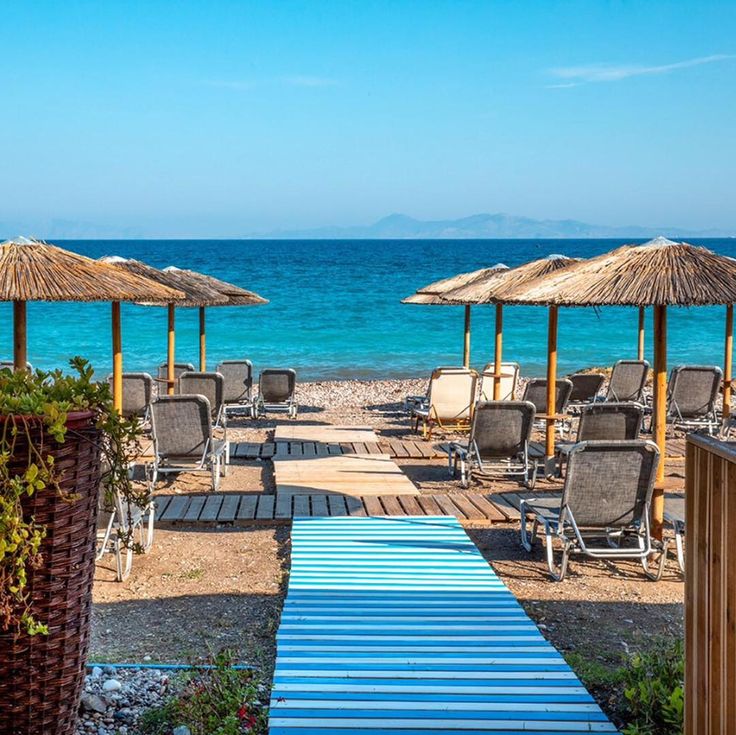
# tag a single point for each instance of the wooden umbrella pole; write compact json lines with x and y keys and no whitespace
{"x":466,"y":340}
{"x":728,"y":362}
{"x":498,"y":353}
{"x":117,"y":359}
{"x":20,"y":340}
{"x":171,"y":353}
{"x":660,"y":414}
{"x":549,"y":448}
{"x":202,"y":341}
{"x":640,"y":350}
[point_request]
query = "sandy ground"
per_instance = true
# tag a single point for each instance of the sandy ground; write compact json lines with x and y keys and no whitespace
{"x":200,"y":590}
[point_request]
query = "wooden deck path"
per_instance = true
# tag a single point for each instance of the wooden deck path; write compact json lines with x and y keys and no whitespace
{"x":399,"y":627}
{"x":248,"y":508}
{"x":400,"y":449}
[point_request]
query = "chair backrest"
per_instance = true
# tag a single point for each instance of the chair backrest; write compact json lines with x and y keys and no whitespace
{"x":610,"y":422}
{"x":510,"y":372}
{"x":693,"y":390}
{"x":209,"y":385}
{"x":137,"y":393}
{"x":627,"y":382}
{"x":277,"y":385}
{"x":585,"y":386}
{"x":609,"y":483}
{"x":238,"y":376}
{"x":183,"y":426}
{"x":535,"y":392}
{"x":179,"y":368}
{"x":501,"y":428}
{"x":452,"y":393}
{"x":9,"y":364}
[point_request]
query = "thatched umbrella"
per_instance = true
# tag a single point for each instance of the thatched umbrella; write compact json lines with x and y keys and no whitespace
{"x":236,"y":296}
{"x":497,"y":290}
{"x":660,"y":273}
{"x":194,"y":295}
{"x":32,"y":270}
{"x":432,"y":295}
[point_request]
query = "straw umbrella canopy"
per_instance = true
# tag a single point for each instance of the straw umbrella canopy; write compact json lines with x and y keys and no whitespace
{"x":497,"y":290}
{"x":660,"y":273}
{"x":32,"y":270}
{"x":433,"y":293}
{"x":236,"y":296}
{"x":194,"y":295}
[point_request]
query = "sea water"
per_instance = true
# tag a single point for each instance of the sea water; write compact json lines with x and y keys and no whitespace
{"x":335,"y":311}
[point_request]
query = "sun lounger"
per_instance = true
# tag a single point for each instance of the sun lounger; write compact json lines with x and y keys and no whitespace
{"x":9,"y":364}
{"x":450,"y":401}
{"x":238,"y":393}
{"x":691,"y":394}
{"x":498,"y":444}
{"x":179,"y":368}
{"x":627,"y":382}
{"x":585,"y":389}
{"x":137,"y":395}
{"x":184,"y":441}
{"x":212,"y":387}
{"x":535,"y":391}
{"x":509,"y":381}
{"x":603,"y":511}
{"x":276,"y":389}
{"x":412,"y":402}
{"x":674,"y":517}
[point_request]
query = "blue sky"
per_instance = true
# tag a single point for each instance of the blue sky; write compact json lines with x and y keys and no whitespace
{"x":227,"y":118}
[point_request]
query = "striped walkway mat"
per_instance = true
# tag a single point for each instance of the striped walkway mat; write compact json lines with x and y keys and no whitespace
{"x":398,"y":626}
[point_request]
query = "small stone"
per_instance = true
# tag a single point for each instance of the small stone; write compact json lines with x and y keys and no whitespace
{"x":93,"y":703}
{"x":181,"y":730}
{"x":110,"y":670}
{"x":96,"y":672}
{"x":146,"y":658}
{"x":111,"y":685}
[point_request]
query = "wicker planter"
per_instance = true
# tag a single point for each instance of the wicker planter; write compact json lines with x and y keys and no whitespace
{"x":41,"y":677}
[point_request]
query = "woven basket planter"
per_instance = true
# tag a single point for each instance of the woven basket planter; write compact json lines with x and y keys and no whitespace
{"x":41,"y":677}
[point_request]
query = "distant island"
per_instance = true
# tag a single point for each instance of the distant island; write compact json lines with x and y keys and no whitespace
{"x":480,"y":226}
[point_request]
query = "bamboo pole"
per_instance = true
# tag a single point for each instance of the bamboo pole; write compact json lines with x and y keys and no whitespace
{"x":20,"y":337}
{"x":660,"y":414}
{"x":117,"y":359}
{"x":202,"y":341}
{"x":640,"y":350}
{"x":549,"y":447}
{"x":498,"y":353}
{"x":171,"y":353}
{"x":728,"y":362}
{"x":466,"y":338}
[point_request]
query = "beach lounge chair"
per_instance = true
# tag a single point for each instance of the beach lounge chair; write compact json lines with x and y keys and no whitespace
{"x":585,"y":389}
{"x":674,"y":517}
{"x":137,"y":395}
{"x":238,"y":394}
{"x":9,"y":364}
{"x":604,"y":422}
{"x":179,"y":368}
{"x":627,"y":382}
{"x":212,"y":387}
{"x":691,"y":394}
{"x":603,"y":511}
{"x":276,"y":388}
{"x":535,"y":391}
{"x":498,"y":444}
{"x":184,"y":441}
{"x":412,"y":402}
{"x":509,"y":382}
{"x":450,"y":401}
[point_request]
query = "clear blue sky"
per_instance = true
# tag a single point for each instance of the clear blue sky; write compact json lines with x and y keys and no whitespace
{"x":225,"y":118}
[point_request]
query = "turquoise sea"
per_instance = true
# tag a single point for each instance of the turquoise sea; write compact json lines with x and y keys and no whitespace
{"x":334,"y":310}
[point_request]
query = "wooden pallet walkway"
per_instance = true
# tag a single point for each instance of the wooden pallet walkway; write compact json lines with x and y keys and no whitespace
{"x":400,"y":449}
{"x":400,"y":627}
{"x":246,"y":508}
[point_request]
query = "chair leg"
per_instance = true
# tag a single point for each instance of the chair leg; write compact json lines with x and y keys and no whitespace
{"x":558,"y":574}
{"x":526,"y":541}
{"x":679,"y":546}
{"x":656,"y":575}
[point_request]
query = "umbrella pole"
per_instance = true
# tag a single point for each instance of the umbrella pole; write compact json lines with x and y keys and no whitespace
{"x":640,"y":350}
{"x":171,"y":356}
{"x":117,"y":359}
{"x":728,"y":362}
{"x":20,"y":340}
{"x":498,"y":353}
{"x":466,"y":340}
{"x":202,"y":341}
{"x":660,"y":414}
{"x":549,"y":448}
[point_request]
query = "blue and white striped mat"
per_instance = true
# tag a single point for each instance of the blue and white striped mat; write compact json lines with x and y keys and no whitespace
{"x":398,"y":626}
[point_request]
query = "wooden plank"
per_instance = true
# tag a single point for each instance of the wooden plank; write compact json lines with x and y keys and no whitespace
{"x":373,"y":506}
{"x":296,"y":449}
{"x":176,"y":508}
{"x":425,"y":450}
{"x":283,"y":506}
{"x":360,"y":448}
{"x":282,"y":450}
{"x":268,"y":449}
{"x":229,"y":508}
{"x":489,"y":510}
{"x":448,"y":507}
{"x":336,"y":505}
{"x":398,"y":449}
{"x":429,"y":505}
{"x":319,"y":506}
{"x":321,"y":449}
{"x":347,"y":448}
{"x":391,"y":505}
{"x":354,"y":506}
{"x":195,"y":508}
{"x":309,"y":449}
{"x":247,"y":507}
{"x":211,"y":509}
{"x":264,"y":510}
{"x":333,"y":448}
{"x":373,"y":448}
{"x":471,"y":512}
{"x":410,"y":505}
{"x":301,"y":505}
{"x":161,"y":501}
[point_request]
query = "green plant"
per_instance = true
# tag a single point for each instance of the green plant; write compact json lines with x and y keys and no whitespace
{"x":654,"y":690}
{"x":219,"y":700}
{"x":27,"y":399}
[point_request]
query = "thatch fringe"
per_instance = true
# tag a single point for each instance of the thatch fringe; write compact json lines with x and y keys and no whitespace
{"x":433,"y":292}
{"x":236,"y":296}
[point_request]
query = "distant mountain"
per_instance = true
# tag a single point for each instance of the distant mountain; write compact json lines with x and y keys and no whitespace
{"x":479,"y":226}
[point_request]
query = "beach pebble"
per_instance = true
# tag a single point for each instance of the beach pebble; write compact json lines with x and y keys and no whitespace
{"x":111,"y":685}
{"x":96,"y":672}
{"x":182,"y":730}
{"x":93,"y":703}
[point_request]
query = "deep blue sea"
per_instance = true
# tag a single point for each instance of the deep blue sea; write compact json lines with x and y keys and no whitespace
{"x":335,"y":310}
